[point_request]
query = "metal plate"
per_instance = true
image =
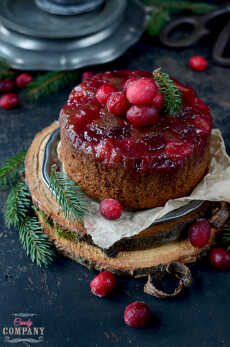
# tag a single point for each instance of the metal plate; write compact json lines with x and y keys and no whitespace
{"x":23,"y":16}
{"x":29,"y":53}
{"x":50,"y":158}
{"x":73,"y":7}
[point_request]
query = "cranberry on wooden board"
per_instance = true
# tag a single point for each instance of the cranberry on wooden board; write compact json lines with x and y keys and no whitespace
{"x":8,"y":101}
{"x":117,"y":103}
{"x":111,"y":209}
{"x":198,"y":63}
{"x":199,"y":233}
{"x":137,"y":314}
{"x":142,"y":115}
{"x":141,"y":91}
{"x":23,"y":80}
{"x":103,"y":284}
{"x":220,"y":259}
{"x":104,"y":92}
{"x":6,"y":86}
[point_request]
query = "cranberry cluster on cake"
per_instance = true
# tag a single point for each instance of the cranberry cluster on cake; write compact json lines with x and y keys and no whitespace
{"x":119,"y":141}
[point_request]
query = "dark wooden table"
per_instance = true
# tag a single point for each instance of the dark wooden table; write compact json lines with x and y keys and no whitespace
{"x":60,"y":294}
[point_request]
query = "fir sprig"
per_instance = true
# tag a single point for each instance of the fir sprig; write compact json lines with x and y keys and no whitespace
{"x":35,"y":241}
{"x":48,"y":83}
{"x":68,"y":195}
{"x":5,"y":70}
{"x":172,"y":95}
{"x":17,"y":205}
{"x":9,"y":172}
{"x":161,"y":11}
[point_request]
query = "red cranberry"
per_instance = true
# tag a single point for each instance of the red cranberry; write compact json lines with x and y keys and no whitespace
{"x":117,"y":103}
{"x":103,"y":284}
{"x":158,"y":101}
{"x":199,"y":233}
{"x":143,"y":115}
{"x":202,"y":124}
{"x":104,"y":92}
{"x":178,"y":150}
{"x":127,"y":83}
{"x":6,"y":86}
{"x":220,"y":259}
{"x":142,"y":91}
{"x":137,"y":314}
{"x":9,"y":101}
{"x":110,"y":209}
{"x":23,"y":80}
{"x":198,"y":63}
{"x":87,"y":75}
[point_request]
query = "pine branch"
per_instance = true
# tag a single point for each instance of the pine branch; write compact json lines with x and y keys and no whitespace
{"x":69,"y":196}
{"x":5,"y":70}
{"x":35,"y":241}
{"x":161,"y":11}
{"x":49,"y":83}
{"x":172,"y":95}
{"x":9,"y":172}
{"x":17,"y":205}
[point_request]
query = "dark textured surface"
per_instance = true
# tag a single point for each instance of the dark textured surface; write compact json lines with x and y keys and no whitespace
{"x":60,"y":295}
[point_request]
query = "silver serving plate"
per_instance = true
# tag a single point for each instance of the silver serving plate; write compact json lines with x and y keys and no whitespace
{"x":51,"y":158}
{"x":47,"y":43}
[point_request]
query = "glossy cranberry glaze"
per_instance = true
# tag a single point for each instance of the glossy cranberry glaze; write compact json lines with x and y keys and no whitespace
{"x":115,"y":141}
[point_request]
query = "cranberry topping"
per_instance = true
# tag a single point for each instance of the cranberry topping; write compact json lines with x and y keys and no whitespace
{"x":87,"y":75}
{"x":117,"y":103}
{"x":141,"y":91}
{"x":104,"y":92}
{"x":137,"y":314}
{"x":103,"y":284}
{"x":220,"y":259}
{"x":199,"y":233}
{"x":158,"y":101}
{"x":143,"y":115}
{"x":110,"y":209}
{"x":95,"y":128}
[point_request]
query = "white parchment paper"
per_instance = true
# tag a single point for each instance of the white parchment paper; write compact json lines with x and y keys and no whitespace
{"x":215,"y":186}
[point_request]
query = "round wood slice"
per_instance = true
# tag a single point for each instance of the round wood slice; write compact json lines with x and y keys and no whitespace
{"x":136,"y":262}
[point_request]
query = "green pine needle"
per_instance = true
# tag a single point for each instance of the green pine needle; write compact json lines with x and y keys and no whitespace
{"x":35,"y":241}
{"x":68,"y":195}
{"x":49,"y":83}
{"x":161,"y":11}
{"x":172,"y":95}
{"x":9,"y":172}
{"x":5,"y":70}
{"x":17,"y":205}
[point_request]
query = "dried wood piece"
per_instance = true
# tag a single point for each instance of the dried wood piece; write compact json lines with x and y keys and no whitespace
{"x":179,"y":270}
{"x":219,"y":219}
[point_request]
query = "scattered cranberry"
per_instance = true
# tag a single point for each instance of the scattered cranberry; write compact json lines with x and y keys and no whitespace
{"x":143,"y":115}
{"x":158,"y":101}
{"x":198,"y":63}
{"x":199,"y":233}
{"x":110,"y":209}
{"x":220,"y":259}
{"x":104,"y":92}
{"x":87,"y":75}
{"x":137,"y":314}
{"x":178,"y":150}
{"x":103,"y":284}
{"x":9,"y":101}
{"x":6,"y":86}
{"x":117,"y":103}
{"x":142,"y":91}
{"x":23,"y":80}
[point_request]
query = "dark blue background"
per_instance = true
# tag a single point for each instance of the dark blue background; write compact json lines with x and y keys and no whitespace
{"x":60,"y":295}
